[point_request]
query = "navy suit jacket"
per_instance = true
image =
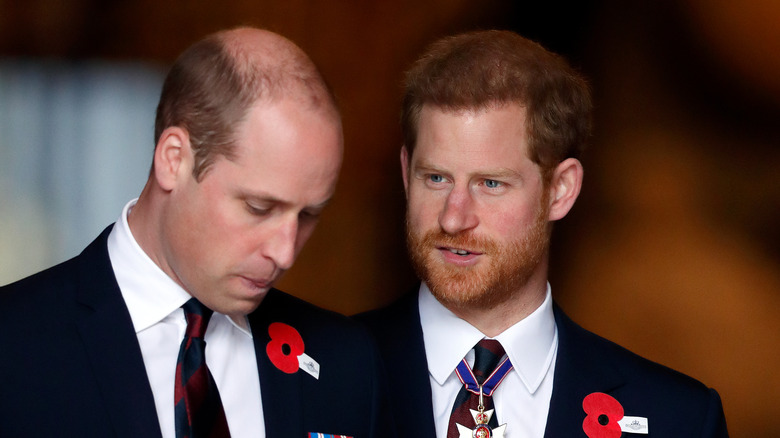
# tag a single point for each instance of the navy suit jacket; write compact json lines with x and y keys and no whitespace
{"x":674,"y":404}
{"x":70,"y":363}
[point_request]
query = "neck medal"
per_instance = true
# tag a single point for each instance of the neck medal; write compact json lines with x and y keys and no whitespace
{"x":482,"y":430}
{"x":481,"y":416}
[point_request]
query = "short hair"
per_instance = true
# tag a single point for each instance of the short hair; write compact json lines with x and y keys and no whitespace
{"x":213,"y":84}
{"x":483,"y":69}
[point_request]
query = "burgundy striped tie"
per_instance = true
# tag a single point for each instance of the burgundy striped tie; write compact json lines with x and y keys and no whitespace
{"x":487,"y":355}
{"x":198,"y":408}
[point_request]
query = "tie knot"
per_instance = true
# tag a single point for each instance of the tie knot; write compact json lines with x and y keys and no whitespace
{"x":197,"y":316}
{"x":487,"y":355}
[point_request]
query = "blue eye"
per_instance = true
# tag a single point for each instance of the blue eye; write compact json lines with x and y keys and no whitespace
{"x":436,"y":178}
{"x":492,"y":184}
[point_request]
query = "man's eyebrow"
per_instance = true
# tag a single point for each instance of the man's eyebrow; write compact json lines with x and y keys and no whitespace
{"x":320,"y":206}
{"x":424,"y":166}
{"x":501,"y":172}
{"x":268,"y":198}
{"x":259,"y":197}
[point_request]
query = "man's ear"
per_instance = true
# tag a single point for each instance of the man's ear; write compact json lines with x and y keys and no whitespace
{"x":172,"y":157}
{"x":565,"y":186}
{"x":405,"y":169}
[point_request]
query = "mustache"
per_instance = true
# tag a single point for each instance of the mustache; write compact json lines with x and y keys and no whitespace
{"x":467,"y":240}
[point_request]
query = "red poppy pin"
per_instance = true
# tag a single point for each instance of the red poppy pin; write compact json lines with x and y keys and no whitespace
{"x":604,"y":412}
{"x":286,"y":350}
{"x":606,"y":418}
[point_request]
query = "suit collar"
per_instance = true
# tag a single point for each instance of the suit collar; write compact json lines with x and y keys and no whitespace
{"x":446,"y":337}
{"x":405,"y":350}
{"x":149,"y":293}
{"x":112,"y":346}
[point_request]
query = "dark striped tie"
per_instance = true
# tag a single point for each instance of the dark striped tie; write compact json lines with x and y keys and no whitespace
{"x":487,"y":355}
{"x":198,"y":408}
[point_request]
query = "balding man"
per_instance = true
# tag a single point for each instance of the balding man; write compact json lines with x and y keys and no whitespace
{"x":168,"y":325}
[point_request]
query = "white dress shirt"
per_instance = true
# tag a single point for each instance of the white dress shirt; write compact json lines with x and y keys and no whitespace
{"x":522,"y":401}
{"x":154,"y":301}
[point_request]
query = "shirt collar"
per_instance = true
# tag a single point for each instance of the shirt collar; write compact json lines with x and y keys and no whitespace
{"x":530,"y":343}
{"x":149,"y":293}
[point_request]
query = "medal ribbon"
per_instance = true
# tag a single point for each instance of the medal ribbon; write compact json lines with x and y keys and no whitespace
{"x":466,"y":376}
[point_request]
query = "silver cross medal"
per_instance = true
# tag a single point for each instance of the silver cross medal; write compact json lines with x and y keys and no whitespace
{"x":481,"y":419}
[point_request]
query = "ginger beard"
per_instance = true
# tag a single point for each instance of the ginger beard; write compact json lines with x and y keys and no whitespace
{"x":506,"y":269}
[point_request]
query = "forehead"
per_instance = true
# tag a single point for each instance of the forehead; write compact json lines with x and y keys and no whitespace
{"x":288,"y":148}
{"x":487,"y":135}
{"x":288,"y":120}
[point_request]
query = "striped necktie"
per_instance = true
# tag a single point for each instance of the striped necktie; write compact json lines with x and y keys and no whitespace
{"x":198,"y":407}
{"x":487,"y":355}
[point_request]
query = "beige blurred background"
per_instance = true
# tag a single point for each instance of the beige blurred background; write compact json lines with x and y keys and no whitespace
{"x":673,"y":249}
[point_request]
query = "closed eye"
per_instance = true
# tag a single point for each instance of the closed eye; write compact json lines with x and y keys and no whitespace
{"x":311,"y":215}
{"x":258,"y":210}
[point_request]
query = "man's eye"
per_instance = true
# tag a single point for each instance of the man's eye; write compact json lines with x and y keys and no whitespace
{"x":257,"y":211}
{"x":436,"y":178}
{"x":310,"y":215}
{"x":492,"y":184}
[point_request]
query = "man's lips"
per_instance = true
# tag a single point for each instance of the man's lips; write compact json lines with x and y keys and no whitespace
{"x":458,"y":251}
{"x":258,"y":283}
{"x":459,"y":256}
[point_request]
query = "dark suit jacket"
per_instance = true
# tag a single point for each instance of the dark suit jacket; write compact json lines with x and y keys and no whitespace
{"x":70,"y":363}
{"x":674,"y":404}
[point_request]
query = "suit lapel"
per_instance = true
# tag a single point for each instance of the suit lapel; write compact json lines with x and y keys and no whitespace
{"x":281,"y":392}
{"x":112,"y":346}
{"x":579,"y":371}
{"x":405,"y":351}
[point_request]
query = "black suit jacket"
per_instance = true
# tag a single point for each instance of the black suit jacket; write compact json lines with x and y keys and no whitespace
{"x":674,"y":404}
{"x":70,"y":363}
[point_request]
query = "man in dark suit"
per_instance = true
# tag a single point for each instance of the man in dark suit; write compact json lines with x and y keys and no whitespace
{"x":111,"y":342}
{"x":493,"y":128}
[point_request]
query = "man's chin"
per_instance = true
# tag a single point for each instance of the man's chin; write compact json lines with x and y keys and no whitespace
{"x":459,"y":295}
{"x":241,"y":303}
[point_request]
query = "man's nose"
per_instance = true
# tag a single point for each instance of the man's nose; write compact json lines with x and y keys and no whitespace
{"x":281,"y":242}
{"x":459,"y":213}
